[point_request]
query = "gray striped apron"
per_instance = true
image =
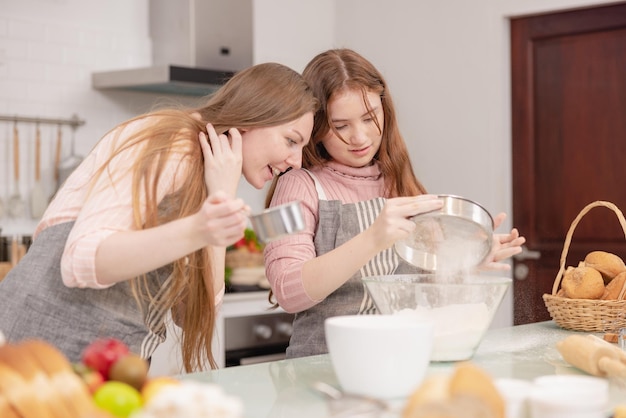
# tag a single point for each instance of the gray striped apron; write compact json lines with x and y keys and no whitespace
{"x":338,"y":223}
{"x":34,"y":303}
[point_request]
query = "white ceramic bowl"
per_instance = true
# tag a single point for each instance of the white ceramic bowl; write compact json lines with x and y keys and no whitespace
{"x":515,"y":393}
{"x":383,"y":356}
{"x":569,"y":396}
{"x":461,"y":311}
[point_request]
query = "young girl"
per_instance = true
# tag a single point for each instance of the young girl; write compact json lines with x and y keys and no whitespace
{"x":142,"y":225}
{"x":357,"y":193}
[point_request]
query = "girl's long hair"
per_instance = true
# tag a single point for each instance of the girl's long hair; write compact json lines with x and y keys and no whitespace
{"x":336,"y":71}
{"x":263,"y":95}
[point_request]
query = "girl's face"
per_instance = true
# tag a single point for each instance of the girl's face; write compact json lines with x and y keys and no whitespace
{"x":349,"y":116}
{"x":270,"y":151}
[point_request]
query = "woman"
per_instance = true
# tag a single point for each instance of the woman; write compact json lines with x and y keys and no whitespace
{"x":358,"y":193}
{"x":141,"y":227}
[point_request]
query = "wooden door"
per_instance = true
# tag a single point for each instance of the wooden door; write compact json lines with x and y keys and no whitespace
{"x":569,"y":141}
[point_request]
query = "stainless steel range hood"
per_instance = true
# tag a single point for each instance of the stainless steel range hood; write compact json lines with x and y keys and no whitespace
{"x":165,"y":79}
{"x":197,"y":45}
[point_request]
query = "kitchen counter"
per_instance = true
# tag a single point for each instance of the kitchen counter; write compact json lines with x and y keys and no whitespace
{"x":283,"y":388}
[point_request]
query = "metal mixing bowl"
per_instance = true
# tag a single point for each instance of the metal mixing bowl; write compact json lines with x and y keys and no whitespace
{"x":456,"y":237}
{"x":276,"y":222}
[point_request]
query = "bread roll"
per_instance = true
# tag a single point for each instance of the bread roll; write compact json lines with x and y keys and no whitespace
{"x":583,"y":283}
{"x":18,"y":394}
{"x":613,"y":289}
{"x":36,"y":380}
{"x":464,"y":406}
{"x":467,"y":393}
{"x":69,"y":387}
{"x":609,"y":265}
{"x":468,"y":379}
{"x":6,"y":409}
{"x":433,"y":389}
{"x":619,"y":411}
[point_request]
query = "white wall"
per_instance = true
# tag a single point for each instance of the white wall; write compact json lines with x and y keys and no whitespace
{"x":447,"y":65}
{"x":289,"y":32}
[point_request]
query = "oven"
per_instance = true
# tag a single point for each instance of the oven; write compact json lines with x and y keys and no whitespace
{"x":249,"y":329}
{"x":254,"y":339}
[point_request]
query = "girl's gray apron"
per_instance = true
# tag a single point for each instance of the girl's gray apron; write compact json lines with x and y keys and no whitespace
{"x":338,"y":223}
{"x":35,"y":304}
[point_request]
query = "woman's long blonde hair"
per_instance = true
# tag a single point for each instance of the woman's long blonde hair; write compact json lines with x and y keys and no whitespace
{"x":336,"y":71}
{"x":263,"y":95}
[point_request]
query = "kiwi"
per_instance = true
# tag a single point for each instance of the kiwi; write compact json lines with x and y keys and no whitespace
{"x":130,"y":369}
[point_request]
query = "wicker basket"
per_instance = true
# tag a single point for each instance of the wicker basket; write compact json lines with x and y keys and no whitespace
{"x":243,"y":258}
{"x":586,"y":314}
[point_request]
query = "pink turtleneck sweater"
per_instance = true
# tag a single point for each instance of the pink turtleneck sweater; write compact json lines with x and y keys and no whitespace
{"x":284,"y":258}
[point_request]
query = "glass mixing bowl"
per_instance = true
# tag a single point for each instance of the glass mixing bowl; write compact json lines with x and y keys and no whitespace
{"x":462,"y":307}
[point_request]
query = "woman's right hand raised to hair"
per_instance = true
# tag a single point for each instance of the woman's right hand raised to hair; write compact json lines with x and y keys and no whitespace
{"x":222,"y":160}
{"x":222,"y":220}
{"x":394,"y":221}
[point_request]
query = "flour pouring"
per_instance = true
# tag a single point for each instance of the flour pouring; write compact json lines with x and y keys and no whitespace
{"x":455,"y":238}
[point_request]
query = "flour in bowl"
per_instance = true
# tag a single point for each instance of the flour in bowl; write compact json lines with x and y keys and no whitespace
{"x":458,"y":328}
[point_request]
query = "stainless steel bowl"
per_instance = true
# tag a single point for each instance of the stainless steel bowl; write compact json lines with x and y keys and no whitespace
{"x":276,"y":222}
{"x":456,"y":237}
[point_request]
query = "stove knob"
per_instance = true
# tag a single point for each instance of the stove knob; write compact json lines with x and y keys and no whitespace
{"x":262,"y":331}
{"x":284,"y":328}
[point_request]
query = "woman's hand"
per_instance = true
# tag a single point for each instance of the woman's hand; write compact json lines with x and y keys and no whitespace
{"x":394,"y":221}
{"x":222,"y":160}
{"x":222,"y":220}
{"x":503,"y":247}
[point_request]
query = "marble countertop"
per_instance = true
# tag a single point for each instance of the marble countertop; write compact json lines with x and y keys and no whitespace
{"x":283,"y":388}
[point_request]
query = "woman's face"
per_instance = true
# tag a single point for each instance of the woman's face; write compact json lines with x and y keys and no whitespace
{"x":270,"y":151}
{"x":349,"y":115}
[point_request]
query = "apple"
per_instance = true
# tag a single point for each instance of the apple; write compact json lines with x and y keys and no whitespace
{"x":92,"y":378}
{"x":102,"y":353}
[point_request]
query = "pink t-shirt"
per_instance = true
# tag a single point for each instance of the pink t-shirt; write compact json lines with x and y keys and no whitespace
{"x":104,"y":209}
{"x":284,"y":258}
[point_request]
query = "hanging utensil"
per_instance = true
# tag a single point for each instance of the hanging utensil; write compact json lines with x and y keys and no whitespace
{"x":16,"y":203}
{"x":57,"y":161}
{"x":71,"y":162}
{"x":38,"y":201}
